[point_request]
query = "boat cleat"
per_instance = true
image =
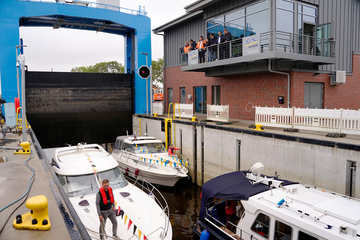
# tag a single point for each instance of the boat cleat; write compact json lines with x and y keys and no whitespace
{"x":37,"y":218}
{"x":25,"y":150}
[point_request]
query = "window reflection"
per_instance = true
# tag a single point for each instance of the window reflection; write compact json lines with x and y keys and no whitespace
{"x":284,"y":4}
{"x":257,"y":23}
{"x":239,"y":25}
{"x":236,"y":28}
{"x":234,"y":15}
{"x":215,"y":30}
{"x":309,"y":10}
{"x":257,"y":7}
{"x":285,"y":21}
{"x":217,"y":21}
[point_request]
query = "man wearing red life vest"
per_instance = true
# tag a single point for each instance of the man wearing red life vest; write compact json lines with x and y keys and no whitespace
{"x":105,"y":206}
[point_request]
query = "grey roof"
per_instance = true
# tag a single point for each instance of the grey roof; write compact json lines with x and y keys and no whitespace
{"x":199,"y":5}
{"x":176,"y":21}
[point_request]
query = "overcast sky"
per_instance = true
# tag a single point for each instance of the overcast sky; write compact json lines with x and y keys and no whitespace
{"x":63,"y":49}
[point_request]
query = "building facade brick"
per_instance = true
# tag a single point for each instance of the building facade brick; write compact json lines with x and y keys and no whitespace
{"x":243,"y":92}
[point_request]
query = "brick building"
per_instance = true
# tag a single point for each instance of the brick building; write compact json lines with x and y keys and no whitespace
{"x":307,"y":52}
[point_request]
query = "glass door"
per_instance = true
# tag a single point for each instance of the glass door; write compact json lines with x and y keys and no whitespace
{"x":200,"y":100}
{"x":324,"y":40}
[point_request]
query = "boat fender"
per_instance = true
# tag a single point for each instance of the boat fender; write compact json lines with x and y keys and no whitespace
{"x":205,"y":235}
{"x":126,"y":172}
{"x":137,"y":172}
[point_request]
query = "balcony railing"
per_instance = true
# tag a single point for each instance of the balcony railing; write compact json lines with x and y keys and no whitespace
{"x":277,"y":41}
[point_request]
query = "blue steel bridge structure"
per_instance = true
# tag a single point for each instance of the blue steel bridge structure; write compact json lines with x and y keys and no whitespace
{"x":134,"y":25}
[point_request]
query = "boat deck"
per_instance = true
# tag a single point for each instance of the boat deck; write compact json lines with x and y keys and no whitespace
{"x":14,"y":181}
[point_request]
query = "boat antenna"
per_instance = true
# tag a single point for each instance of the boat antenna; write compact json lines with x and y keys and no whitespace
{"x":127,"y":133}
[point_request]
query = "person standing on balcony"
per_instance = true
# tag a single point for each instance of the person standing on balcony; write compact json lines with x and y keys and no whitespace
{"x":212,"y":48}
{"x":207,"y":45}
{"x":220,"y":40}
{"x":227,"y":37}
{"x":201,"y":47}
{"x":192,"y":44}
{"x":186,"y":51}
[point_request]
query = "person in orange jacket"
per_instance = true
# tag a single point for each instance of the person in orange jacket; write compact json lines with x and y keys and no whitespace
{"x":186,"y":51}
{"x":201,"y":47}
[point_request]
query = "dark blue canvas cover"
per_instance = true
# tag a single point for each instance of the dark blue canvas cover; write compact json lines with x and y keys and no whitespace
{"x":232,"y":186}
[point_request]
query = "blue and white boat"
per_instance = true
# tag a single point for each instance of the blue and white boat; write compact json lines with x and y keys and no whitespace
{"x":142,"y":211}
{"x":147,"y":158}
{"x":271,"y":208}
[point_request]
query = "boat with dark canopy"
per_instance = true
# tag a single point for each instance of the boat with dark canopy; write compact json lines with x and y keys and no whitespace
{"x":271,"y":208}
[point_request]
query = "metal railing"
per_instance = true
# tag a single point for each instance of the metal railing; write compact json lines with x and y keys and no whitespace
{"x":153,"y":192}
{"x":269,"y":41}
{"x":239,"y":233}
{"x":93,"y":5}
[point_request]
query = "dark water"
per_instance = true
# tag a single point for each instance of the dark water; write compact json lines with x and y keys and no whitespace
{"x":184,"y":204}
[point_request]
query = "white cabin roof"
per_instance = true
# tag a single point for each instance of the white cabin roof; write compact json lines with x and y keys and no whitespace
{"x":82,"y":159}
{"x":313,"y":207}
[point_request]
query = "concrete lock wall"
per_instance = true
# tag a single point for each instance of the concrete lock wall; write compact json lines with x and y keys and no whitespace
{"x":308,"y":163}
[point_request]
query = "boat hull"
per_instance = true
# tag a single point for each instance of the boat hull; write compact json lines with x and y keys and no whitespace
{"x":168,"y":180}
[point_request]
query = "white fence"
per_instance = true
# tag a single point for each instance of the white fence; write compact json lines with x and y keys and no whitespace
{"x":186,"y":110}
{"x":218,"y":113}
{"x":327,"y":120}
{"x":158,"y":108}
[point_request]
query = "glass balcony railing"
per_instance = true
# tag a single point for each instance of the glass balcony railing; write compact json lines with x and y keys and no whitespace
{"x":273,"y":41}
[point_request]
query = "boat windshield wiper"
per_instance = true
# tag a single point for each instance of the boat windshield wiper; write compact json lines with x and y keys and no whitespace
{"x":90,"y":188}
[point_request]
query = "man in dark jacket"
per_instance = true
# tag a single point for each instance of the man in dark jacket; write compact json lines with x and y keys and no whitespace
{"x":220,"y":40}
{"x":105,"y":206}
{"x":192,"y":44}
{"x":227,"y":37}
{"x":212,"y":48}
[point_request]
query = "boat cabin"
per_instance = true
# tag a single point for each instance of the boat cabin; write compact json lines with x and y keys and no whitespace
{"x":282,"y":210}
{"x":142,"y":144}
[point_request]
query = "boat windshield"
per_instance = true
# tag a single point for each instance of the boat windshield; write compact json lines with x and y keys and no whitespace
{"x":78,"y":185}
{"x":144,"y":147}
{"x":81,"y":185}
{"x":115,"y":177}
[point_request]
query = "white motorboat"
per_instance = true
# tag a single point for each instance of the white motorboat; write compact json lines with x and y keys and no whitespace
{"x":147,"y":158}
{"x":270,"y":208}
{"x":142,"y":212}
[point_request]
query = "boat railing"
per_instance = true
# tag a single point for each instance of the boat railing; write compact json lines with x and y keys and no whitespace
{"x":322,"y":190}
{"x":213,"y":218}
{"x":154,"y":193}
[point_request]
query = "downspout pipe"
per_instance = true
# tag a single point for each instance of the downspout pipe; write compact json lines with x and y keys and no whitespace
{"x":288,"y":85}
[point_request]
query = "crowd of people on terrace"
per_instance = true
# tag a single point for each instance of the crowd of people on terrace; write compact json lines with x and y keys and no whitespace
{"x":209,"y":44}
